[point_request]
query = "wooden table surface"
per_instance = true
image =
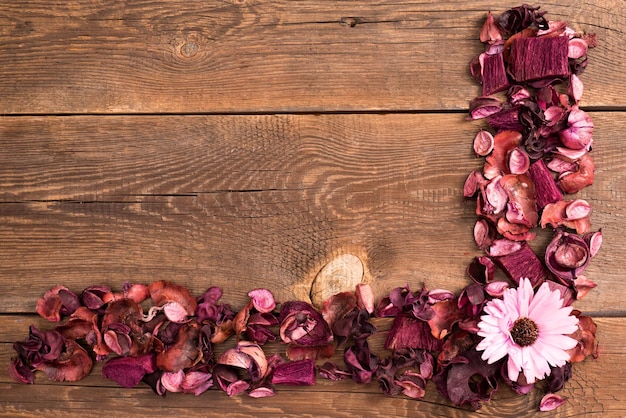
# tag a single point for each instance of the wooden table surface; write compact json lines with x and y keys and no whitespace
{"x":248,"y":143}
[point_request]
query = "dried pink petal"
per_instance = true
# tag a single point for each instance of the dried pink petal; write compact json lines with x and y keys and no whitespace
{"x":365,"y":297}
{"x":262,"y":300}
{"x":577,"y":48}
{"x":578,"y":135}
{"x":518,"y":161}
{"x":481,"y":107}
{"x":496,"y":289}
{"x":137,"y":292}
{"x":556,"y":215}
{"x":473,"y":183}
{"x":483,"y":143}
{"x":522,"y":202}
{"x":261,"y":392}
{"x":594,"y":241}
{"x":575,"y":88}
{"x":583,"y":285}
{"x":551,"y":401}
{"x":481,"y":270}
{"x":495,"y":197}
{"x":484,"y":233}
{"x":490,"y":32}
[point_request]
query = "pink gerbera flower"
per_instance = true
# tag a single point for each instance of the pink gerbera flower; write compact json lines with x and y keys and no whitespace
{"x":530,"y":328}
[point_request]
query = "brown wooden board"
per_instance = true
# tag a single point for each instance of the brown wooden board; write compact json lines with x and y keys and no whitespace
{"x":268,"y":56}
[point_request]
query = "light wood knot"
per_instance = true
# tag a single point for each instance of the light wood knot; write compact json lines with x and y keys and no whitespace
{"x":189,"y":49}
{"x":341,"y":274}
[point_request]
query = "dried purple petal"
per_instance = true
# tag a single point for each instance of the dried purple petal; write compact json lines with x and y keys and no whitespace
{"x":594,"y":241}
{"x":522,"y":263}
{"x":365,"y":297}
{"x":298,"y":373}
{"x":481,"y":270}
{"x":129,"y":371}
{"x":407,"y":332}
{"x":360,"y":362}
{"x":535,"y":58}
{"x":302,"y":324}
{"x":506,"y":119}
{"x":518,"y":161}
{"x":184,"y":352}
{"x":494,"y":74}
{"x":545,"y":185}
{"x":578,"y":135}
{"x":93,"y":297}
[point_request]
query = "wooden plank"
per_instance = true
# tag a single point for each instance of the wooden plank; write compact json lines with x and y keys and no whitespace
{"x":248,"y":201}
{"x":595,"y":389}
{"x":267,"y":56}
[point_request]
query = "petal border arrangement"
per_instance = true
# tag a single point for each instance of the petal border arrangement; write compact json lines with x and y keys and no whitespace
{"x":513,"y":324}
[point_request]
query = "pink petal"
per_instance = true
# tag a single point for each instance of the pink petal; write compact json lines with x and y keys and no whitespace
{"x":551,"y":401}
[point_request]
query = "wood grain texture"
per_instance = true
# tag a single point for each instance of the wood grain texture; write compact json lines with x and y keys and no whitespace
{"x":248,"y":201}
{"x":267,"y":56}
{"x":594,"y":390}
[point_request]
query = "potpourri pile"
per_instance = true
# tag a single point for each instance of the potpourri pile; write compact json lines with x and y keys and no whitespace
{"x":519,"y":330}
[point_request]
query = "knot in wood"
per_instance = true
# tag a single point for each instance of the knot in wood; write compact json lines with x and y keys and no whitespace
{"x":341,"y":274}
{"x":189,"y":49}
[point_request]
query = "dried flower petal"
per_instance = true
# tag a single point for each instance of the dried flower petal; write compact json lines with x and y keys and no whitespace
{"x":535,"y":58}
{"x":545,"y":185}
{"x":483,"y":143}
{"x":262,"y":300}
{"x":551,"y":401}
{"x":56,"y":302}
{"x":129,"y":371}
{"x":298,"y":373}
{"x":490,"y":32}
{"x":567,"y":255}
{"x":72,"y":365}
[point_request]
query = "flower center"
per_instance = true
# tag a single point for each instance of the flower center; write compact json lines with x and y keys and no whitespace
{"x":524,"y":332}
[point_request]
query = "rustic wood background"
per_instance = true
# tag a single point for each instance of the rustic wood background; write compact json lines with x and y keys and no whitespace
{"x":248,"y":143}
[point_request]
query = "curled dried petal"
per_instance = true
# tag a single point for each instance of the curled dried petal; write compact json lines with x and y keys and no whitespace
{"x":56,"y":302}
{"x":72,"y":365}
{"x":262,"y":300}
{"x":490,"y":32}
{"x":551,"y":401}
{"x":163,"y":292}
{"x":573,"y":182}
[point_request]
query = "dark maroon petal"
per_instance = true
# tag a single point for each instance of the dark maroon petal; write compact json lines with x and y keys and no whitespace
{"x":129,"y":371}
{"x":557,"y":378}
{"x":481,"y":270}
{"x":93,"y":296}
{"x":300,"y":323}
{"x":20,"y":372}
{"x":299,"y":373}
{"x":331,"y":371}
{"x":407,"y":332}
{"x":360,"y":362}
{"x":468,"y":379}
{"x":338,"y":306}
{"x":521,"y":17}
{"x":506,"y":119}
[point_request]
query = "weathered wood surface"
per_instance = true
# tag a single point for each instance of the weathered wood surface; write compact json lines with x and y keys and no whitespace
{"x":267,"y":56}
{"x":142,"y":141}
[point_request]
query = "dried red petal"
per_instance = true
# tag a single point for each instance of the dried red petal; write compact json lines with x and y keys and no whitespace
{"x":72,"y":365}
{"x":573,"y":182}
{"x":407,"y":332}
{"x":490,"y":32}
{"x":163,"y":292}
{"x":56,"y":302}
{"x":522,"y":202}
{"x":184,"y":352}
{"x":567,"y":255}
